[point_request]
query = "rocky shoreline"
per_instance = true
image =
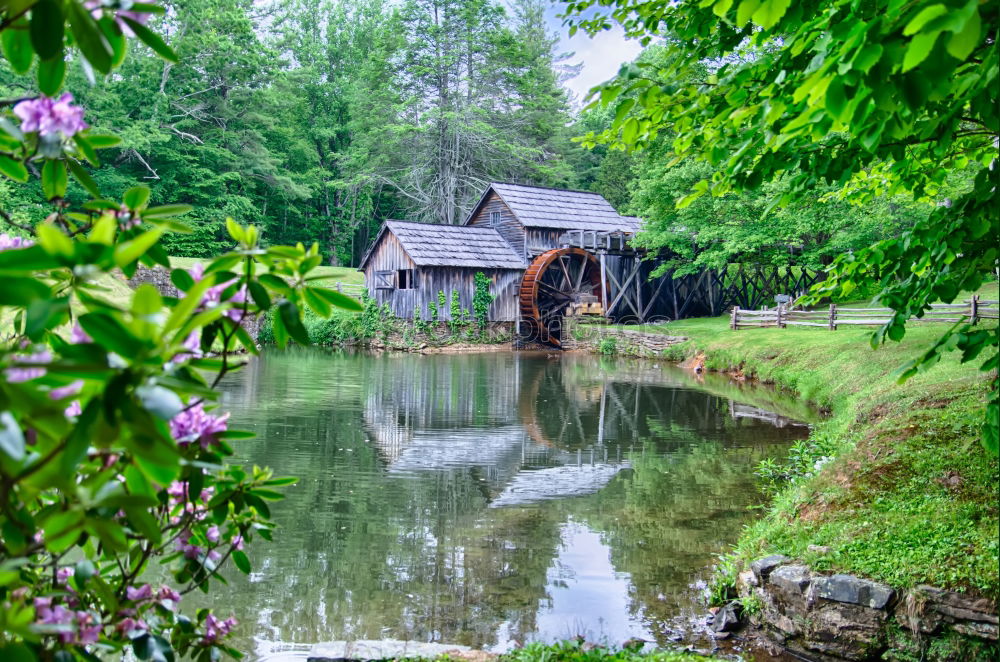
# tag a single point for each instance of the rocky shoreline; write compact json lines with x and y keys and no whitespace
{"x":834,"y":617}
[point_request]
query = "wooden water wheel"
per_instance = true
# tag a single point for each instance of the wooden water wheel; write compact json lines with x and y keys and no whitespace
{"x":559,"y":282}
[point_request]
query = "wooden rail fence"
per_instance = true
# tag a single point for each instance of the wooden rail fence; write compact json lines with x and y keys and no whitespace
{"x":973,"y":310}
{"x":350,"y":289}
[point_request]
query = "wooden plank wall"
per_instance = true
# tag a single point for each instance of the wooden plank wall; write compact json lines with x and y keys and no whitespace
{"x":389,"y":255}
{"x":434,"y":279}
{"x":539,"y":240}
{"x":510,"y":228}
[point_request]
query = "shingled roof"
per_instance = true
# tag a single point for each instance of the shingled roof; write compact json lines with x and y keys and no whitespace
{"x":437,"y":245}
{"x":540,"y":207}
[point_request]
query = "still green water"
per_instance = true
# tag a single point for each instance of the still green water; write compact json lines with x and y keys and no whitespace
{"x":495,"y":498}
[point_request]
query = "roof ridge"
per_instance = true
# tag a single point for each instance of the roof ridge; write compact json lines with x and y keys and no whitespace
{"x":550,"y":188}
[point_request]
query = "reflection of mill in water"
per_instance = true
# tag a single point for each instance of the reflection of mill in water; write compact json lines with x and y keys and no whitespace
{"x":538,"y":430}
{"x":476,"y":420}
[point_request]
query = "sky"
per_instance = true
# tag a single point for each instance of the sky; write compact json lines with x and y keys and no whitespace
{"x":600,"y":56}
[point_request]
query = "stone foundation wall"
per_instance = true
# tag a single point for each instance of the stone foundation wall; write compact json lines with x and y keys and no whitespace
{"x":842,"y":617}
{"x":159,"y":278}
{"x":628,"y":343}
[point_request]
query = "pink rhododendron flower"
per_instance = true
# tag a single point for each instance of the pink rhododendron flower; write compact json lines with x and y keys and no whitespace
{"x":212,"y":534}
{"x":21,"y":374}
{"x":144,"y":592}
{"x":216,"y":629}
{"x":213,"y":295}
{"x":8,"y":243}
{"x":78,"y":336}
{"x":97,"y":8}
{"x":131,"y":626}
{"x":48,"y":116}
{"x":167,"y":593}
{"x":195,"y":424}
{"x":66,"y":391}
{"x":74,"y":409}
{"x":185,"y":547}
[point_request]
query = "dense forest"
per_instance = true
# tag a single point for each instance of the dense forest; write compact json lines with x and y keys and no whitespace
{"x":316,"y":120}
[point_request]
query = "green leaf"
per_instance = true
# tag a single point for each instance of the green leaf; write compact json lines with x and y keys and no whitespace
{"x":259,"y":295}
{"x":51,"y":74}
{"x":151,"y":39}
{"x":165,"y":211}
{"x":868,"y":57}
{"x":53,"y":240}
{"x":47,"y":29}
{"x":112,"y":334}
{"x":630,"y":131}
{"x":918,"y":50}
{"x":234,"y":229}
{"x":160,"y":401}
{"x":16,"y":44}
{"x":318,"y":304}
{"x":131,"y":251}
{"x":770,"y":12}
{"x":22,"y":291}
{"x":289,"y":314}
{"x":83,"y":571}
{"x":84,"y":178}
{"x":338,"y":299}
{"x":836,"y":98}
{"x":722,"y":7}
{"x":923,"y":17}
{"x":745,"y":11}
{"x":13,"y":169}
{"x":89,"y":38}
{"x":961,"y":44}
{"x":54,"y":179}
{"x":103,"y":140}
{"x":181,"y":279}
{"x":152,"y":647}
{"x":241,"y":561}
{"x":45,"y":315}
{"x":116,"y":40}
{"x":136,"y":197}
{"x":274,"y":283}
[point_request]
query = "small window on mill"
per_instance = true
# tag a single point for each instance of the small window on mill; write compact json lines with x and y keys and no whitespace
{"x":404,"y":279}
{"x":494,"y":218}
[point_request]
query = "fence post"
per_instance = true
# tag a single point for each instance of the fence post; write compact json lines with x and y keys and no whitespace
{"x":974,"y":305}
{"x":781,"y":322}
{"x":833,"y":317}
{"x":733,"y":317}
{"x":339,"y":287}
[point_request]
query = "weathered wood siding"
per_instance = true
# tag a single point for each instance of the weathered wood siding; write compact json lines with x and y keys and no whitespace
{"x":389,"y":255}
{"x":504,"y":285}
{"x":539,"y":240}
{"x":510,"y":228}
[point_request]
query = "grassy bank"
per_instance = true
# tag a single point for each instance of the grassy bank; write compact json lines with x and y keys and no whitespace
{"x":895,"y":486}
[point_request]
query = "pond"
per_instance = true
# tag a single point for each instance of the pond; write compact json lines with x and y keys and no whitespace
{"x":495,"y":498}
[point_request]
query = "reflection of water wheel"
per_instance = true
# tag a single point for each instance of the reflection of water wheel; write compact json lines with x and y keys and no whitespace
{"x":559,"y":282}
{"x":550,"y":410}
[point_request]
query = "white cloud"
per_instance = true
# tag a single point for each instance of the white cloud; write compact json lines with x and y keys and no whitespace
{"x":600,"y":56}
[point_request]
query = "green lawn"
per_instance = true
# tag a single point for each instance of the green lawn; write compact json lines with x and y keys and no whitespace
{"x":910,"y":496}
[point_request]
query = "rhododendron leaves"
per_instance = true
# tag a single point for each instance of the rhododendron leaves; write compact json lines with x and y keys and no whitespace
{"x":151,"y":39}
{"x":47,"y":28}
{"x":89,"y":38}
{"x":13,"y":169}
{"x":16,"y":43}
{"x":51,"y":74}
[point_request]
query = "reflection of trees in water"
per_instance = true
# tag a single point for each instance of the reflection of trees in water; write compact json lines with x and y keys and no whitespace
{"x":388,"y":533}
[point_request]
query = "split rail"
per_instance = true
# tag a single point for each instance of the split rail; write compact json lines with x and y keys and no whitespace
{"x":973,"y":310}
